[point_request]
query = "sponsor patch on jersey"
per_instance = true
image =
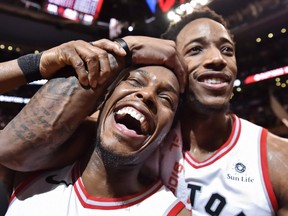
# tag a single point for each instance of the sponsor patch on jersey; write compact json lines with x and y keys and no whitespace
{"x":240,"y":173}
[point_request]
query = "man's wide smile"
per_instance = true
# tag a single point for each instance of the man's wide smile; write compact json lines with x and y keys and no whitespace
{"x":214,"y":81}
{"x":132,"y":119}
{"x":132,"y":122}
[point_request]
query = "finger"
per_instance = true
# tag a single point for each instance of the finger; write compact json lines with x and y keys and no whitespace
{"x":97,"y":64}
{"x":110,"y":46}
{"x":93,"y":70}
{"x":90,"y":55}
{"x":105,"y":69}
{"x":181,"y":71}
{"x":99,"y":72}
{"x":177,"y":63}
{"x":72,"y":58}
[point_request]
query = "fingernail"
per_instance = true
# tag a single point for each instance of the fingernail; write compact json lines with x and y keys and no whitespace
{"x":93,"y":83}
{"x":85,"y":83}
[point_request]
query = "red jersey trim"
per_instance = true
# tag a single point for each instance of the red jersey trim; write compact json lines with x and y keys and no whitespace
{"x":265,"y":170}
{"x":176,"y":209}
{"x":92,"y":202}
{"x":230,"y":143}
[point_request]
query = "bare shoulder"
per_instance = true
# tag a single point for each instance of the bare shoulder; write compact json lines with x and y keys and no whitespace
{"x":277,"y":152}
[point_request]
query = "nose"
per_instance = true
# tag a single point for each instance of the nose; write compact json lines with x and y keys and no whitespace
{"x":214,"y":59}
{"x":147,"y":96}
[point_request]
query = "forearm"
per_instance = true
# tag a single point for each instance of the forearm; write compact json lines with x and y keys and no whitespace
{"x":79,"y":55}
{"x":11,"y":76}
{"x":48,"y":120}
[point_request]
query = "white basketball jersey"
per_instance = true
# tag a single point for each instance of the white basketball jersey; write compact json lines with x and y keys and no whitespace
{"x":62,"y":193}
{"x":233,"y":181}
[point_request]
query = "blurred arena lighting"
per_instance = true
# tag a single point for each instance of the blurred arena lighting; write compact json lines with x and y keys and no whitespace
{"x":38,"y":82}
{"x":237,"y":83}
{"x":186,"y":8}
{"x":266,"y":75}
{"x":13,"y":99}
{"x":20,"y":100}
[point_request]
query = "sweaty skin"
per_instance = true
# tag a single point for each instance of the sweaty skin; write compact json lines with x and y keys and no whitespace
{"x":101,"y":66}
{"x":209,"y":53}
{"x":51,"y":113}
{"x":210,"y":56}
{"x":134,"y":120}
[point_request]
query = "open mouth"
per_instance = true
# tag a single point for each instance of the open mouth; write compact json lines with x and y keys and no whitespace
{"x":213,"y":81}
{"x":218,"y":78}
{"x":133,"y":120}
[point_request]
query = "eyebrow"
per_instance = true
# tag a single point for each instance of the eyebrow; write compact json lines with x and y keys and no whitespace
{"x":203,"y":39}
{"x":169,"y":86}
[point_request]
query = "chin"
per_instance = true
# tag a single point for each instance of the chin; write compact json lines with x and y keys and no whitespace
{"x":207,"y":108}
{"x":111,"y":158}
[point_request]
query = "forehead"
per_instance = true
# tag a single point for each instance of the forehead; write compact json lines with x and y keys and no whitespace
{"x":157,"y":74}
{"x":202,"y":28}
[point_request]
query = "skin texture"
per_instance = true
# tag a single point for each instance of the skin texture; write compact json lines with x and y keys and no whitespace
{"x":101,"y":67}
{"x":147,"y":50}
{"x":213,"y":56}
{"x":207,"y":56}
{"x":47,"y":112}
{"x":33,"y":144}
{"x":209,"y":51}
{"x":91,"y":62}
{"x":152,"y":91}
{"x":147,"y":92}
{"x":81,"y":58}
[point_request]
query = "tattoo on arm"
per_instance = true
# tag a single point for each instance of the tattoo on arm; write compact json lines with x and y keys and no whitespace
{"x":44,"y":111}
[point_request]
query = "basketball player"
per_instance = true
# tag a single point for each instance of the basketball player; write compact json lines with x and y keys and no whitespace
{"x":231,"y":166}
{"x":107,"y":180}
{"x":160,"y":96}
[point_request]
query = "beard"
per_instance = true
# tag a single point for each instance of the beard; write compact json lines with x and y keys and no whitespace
{"x":195,"y":105}
{"x":110,"y":158}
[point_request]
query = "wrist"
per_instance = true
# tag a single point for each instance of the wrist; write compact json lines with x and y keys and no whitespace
{"x":29,"y":64}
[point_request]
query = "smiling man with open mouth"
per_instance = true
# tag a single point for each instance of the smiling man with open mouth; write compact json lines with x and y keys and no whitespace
{"x":133,"y":121}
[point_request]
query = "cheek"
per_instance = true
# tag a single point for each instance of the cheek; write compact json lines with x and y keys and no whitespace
{"x":167,"y":120}
{"x":232,"y":64}
{"x":191,"y":81}
{"x":192,"y":63}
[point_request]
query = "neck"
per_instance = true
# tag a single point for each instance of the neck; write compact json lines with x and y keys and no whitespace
{"x":107,"y":181}
{"x":205,"y":133}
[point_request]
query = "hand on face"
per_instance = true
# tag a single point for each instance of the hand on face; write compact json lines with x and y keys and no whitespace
{"x":140,"y":110}
{"x":155,"y":51}
{"x":91,"y":61}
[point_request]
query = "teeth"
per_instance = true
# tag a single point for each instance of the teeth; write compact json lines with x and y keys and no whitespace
{"x":132,"y":112}
{"x":142,"y":118}
{"x":213,"y":81}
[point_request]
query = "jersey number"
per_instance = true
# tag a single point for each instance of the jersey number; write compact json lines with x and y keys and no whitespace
{"x":215,"y":204}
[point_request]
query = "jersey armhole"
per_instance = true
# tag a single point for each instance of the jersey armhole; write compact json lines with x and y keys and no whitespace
{"x":265,"y":170}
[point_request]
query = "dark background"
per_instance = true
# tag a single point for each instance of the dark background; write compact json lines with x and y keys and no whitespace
{"x":24,"y":25}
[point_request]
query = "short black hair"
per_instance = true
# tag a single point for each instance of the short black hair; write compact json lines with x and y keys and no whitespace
{"x":204,"y":12}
